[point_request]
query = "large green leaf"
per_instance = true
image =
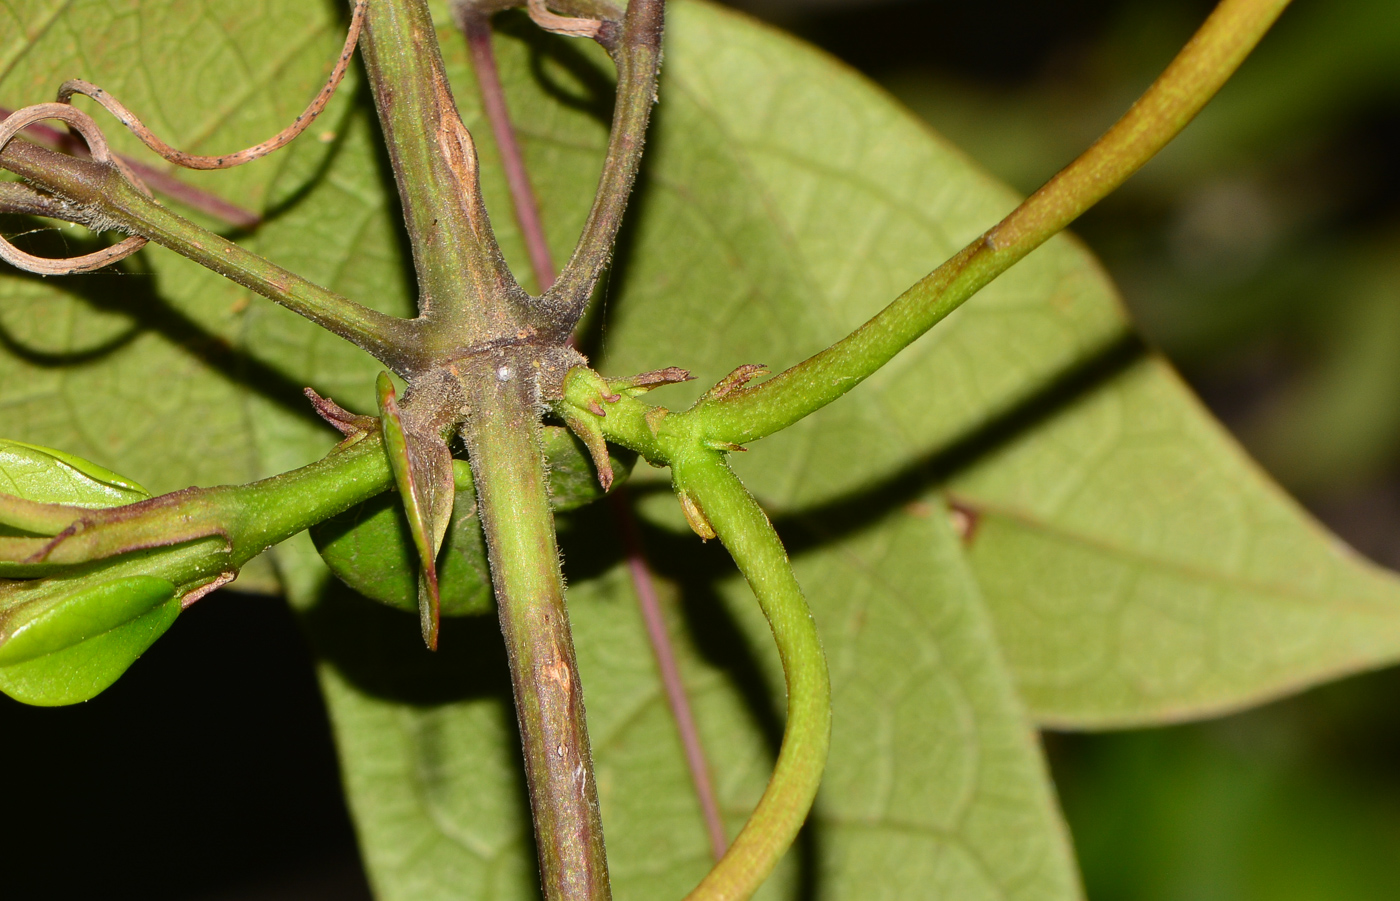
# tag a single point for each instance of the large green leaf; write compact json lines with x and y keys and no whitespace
{"x":1137,"y":567}
{"x":782,"y":202}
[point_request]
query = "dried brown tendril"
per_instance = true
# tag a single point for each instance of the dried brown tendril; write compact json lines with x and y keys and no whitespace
{"x":97,"y":146}
{"x":229,"y":160}
{"x":566,"y":25}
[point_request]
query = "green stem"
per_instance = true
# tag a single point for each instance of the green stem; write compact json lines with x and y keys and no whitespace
{"x":749,"y":537}
{"x":251,"y":518}
{"x":502,"y":438}
{"x":272,"y":510}
{"x":725,"y":508}
{"x":112,"y":202}
{"x":1173,"y":100}
{"x":466,"y":291}
{"x":638,"y":58}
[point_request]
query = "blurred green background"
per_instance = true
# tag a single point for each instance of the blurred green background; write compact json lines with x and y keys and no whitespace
{"x":1261,"y":252}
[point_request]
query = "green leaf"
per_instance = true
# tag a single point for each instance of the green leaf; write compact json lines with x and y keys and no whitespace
{"x":42,"y":486}
{"x":573,"y":481}
{"x":1155,"y":574}
{"x":370,"y":548}
{"x":50,"y":476}
{"x":66,"y":640}
{"x":1208,"y":590}
{"x":59,"y":617}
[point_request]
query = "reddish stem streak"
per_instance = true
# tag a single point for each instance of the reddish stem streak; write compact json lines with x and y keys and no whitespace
{"x":476,"y":26}
{"x":670,"y":672}
{"x":156,"y":180}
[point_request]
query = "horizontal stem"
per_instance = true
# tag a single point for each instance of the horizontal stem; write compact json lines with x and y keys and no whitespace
{"x":275,"y":509}
{"x":247,"y":519}
{"x":1173,"y":100}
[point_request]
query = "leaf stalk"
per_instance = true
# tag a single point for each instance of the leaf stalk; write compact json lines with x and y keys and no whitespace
{"x":744,"y":529}
{"x":717,"y":505}
{"x":1189,"y":82}
{"x":638,"y":59}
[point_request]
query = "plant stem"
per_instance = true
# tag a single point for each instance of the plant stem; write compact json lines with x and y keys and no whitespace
{"x":114,"y":202}
{"x":502,"y":438}
{"x":638,"y":59}
{"x":466,"y":291}
{"x":1173,"y":100}
{"x":476,"y":27}
{"x":749,"y":537}
{"x":274,"y":509}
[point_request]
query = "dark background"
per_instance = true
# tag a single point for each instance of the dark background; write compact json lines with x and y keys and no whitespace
{"x":1261,"y":254}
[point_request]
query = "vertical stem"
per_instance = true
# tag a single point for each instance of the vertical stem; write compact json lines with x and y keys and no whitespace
{"x":476,"y":26}
{"x":463,"y":282}
{"x":502,"y":438}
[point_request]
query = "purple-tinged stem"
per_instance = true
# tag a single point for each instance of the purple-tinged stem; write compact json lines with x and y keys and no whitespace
{"x":676,"y":697}
{"x":476,"y":26}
